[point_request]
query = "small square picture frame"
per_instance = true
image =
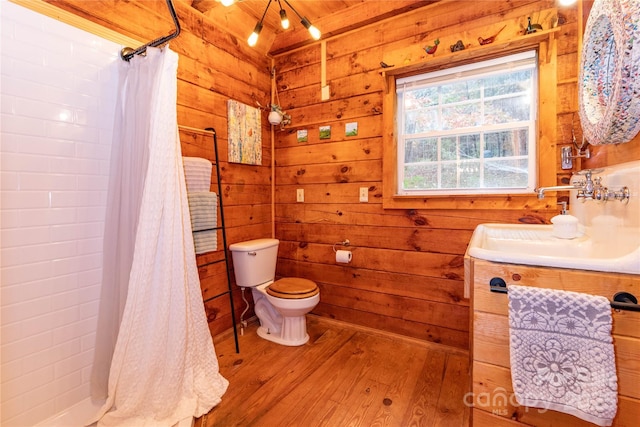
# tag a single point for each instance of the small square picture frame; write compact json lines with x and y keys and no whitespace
{"x":302,"y":135}
{"x":351,"y":129}
{"x":325,"y":132}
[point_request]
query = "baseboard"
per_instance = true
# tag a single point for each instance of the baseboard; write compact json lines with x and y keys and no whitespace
{"x":429,"y":344}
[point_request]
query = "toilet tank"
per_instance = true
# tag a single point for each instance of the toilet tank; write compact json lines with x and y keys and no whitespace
{"x":254,"y":261}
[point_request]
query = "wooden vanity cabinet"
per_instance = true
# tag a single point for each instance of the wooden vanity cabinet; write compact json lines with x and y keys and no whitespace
{"x":492,"y":396}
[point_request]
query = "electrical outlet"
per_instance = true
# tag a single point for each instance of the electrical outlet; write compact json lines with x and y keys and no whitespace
{"x":364,"y":194}
{"x":300,"y":195}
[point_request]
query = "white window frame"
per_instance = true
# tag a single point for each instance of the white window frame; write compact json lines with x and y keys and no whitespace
{"x":512,"y":62}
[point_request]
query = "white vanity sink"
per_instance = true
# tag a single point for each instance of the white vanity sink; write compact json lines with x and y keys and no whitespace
{"x":608,"y":238}
{"x":535,"y":245}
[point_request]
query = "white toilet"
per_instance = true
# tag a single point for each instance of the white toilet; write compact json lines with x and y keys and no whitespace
{"x":281,"y":306}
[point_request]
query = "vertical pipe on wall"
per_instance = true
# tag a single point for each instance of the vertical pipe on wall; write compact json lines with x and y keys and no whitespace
{"x":273,"y":156}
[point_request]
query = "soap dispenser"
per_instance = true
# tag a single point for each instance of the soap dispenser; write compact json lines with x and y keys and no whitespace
{"x":565,"y":226}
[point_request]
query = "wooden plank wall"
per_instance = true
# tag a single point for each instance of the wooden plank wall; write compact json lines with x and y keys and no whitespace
{"x":607,"y":155}
{"x":213,"y":67}
{"x":407,"y":270}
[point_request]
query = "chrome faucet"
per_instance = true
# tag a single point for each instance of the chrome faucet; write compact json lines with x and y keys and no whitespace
{"x":603,"y":194}
{"x":541,"y":190}
{"x":585,"y":188}
{"x":589,"y":188}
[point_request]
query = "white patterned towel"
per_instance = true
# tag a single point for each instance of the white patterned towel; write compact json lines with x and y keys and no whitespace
{"x":562,"y":352}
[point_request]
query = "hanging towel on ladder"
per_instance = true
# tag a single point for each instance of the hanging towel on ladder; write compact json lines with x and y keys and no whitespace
{"x":197,"y":173}
{"x":562,"y":355}
{"x":205,"y":241}
{"x":203,"y":207}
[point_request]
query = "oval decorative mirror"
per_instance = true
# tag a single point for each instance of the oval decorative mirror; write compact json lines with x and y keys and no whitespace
{"x":609,"y":82}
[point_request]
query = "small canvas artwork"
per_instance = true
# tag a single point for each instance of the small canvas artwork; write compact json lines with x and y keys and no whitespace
{"x":245,"y":133}
{"x":303,"y":135}
{"x":325,"y":132}
{"x":351,"y":129}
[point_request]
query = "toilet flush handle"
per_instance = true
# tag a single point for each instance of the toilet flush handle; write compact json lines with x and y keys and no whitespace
{"x":251,"y":253}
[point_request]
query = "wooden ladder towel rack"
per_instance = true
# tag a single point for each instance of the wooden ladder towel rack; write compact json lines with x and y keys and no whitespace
{"x":221,"y":227}
{"x":229,"y":291}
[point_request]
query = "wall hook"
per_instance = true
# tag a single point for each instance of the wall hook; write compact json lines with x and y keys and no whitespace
{"x":582,"y":151}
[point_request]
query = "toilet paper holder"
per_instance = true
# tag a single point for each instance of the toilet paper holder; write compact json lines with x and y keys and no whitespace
{"x":343,"y":243}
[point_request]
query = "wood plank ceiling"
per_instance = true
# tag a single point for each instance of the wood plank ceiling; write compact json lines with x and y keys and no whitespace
{"x":331,"y":17}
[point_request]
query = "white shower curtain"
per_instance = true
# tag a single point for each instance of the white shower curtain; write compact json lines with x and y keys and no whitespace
{"x":155,"y":362}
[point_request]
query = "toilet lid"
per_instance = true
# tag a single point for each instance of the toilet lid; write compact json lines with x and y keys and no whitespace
{"x":293,"y":288}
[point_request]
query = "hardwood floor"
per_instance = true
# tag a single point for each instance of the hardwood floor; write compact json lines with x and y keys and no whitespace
{"x":344,"y":376}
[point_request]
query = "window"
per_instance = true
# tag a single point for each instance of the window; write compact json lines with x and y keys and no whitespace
{"x":469,"y":129}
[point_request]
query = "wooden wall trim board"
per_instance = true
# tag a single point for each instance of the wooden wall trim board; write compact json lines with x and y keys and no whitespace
{"x":274,"y":100}
{"x":519,"y":43}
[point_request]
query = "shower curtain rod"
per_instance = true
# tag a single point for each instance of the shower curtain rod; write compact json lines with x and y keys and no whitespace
{"x":127,"y":53}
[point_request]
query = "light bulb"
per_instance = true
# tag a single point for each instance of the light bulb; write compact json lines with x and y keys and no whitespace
{"x":227,"y":2}
{"x":253,"y":38}
{"x":284,"y":21}
{"x":315,"y":33}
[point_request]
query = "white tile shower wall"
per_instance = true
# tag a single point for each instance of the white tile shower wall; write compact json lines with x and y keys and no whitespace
{"x":58,"y":88}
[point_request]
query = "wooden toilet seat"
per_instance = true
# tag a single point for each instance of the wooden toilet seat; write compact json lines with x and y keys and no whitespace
{"x":293,"y":288}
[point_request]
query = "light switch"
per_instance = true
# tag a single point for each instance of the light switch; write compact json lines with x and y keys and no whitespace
{"x":300,"y":195}
{"x":364,"y":194}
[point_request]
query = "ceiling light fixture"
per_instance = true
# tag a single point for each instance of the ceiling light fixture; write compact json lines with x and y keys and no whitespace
{"x":284,"y":21}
